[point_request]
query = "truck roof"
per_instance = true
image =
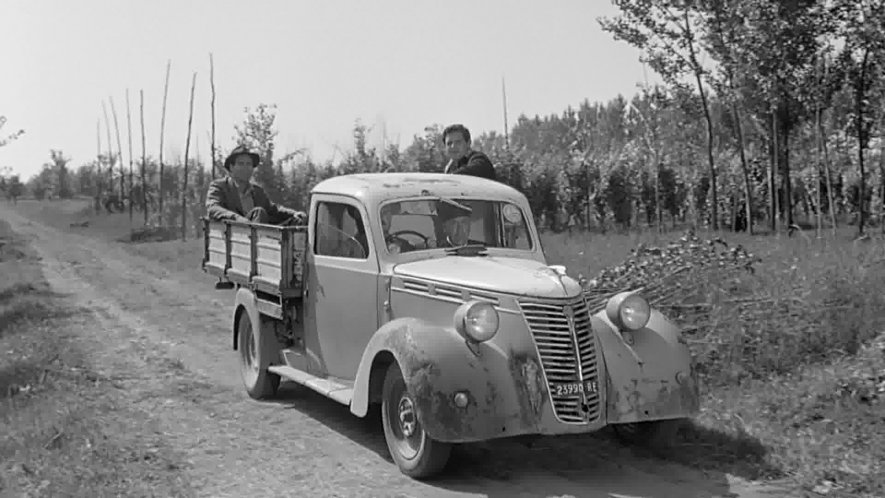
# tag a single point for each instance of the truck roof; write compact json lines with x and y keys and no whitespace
{"x":373,"y":188}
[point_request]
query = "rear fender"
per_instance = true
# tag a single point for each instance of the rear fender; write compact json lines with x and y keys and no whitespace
{"x":244,"y":302}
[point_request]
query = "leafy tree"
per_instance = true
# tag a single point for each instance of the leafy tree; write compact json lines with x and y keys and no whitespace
{"x":425,"y":153}
{"x":666,"y":32}
{"x":9,"y":138}
{"x":619,"y":195}
{"x":363,"y":158}
{"x":14,"y":188}
{"x":862,"y":29}
{"x":59,"y":169}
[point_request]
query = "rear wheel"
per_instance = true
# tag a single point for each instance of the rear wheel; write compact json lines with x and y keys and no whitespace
{"x":654,"y":434}
{"x":257,"y":350}
{"x":415,"y":453}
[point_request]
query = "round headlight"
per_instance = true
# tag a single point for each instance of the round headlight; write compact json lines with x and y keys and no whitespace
{"x":628,"y":311}
{"x":477,"y":320}
{"x":634,"y":312}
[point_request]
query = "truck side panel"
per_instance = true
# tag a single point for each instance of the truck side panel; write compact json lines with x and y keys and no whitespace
{"x":266,"y":258}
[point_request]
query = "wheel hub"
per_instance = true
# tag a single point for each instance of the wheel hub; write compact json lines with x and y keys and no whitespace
{"x":407,"y":420}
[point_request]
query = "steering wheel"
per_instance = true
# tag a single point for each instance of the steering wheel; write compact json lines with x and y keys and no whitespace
{"x":396,"y":235}
{"x":337,"y":247}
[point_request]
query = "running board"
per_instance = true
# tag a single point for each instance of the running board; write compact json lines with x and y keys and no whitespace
{"x":327,"y":387}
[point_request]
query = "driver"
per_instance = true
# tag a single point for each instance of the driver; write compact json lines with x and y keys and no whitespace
{"x":457,"y":231}
{"x":455,"y":224}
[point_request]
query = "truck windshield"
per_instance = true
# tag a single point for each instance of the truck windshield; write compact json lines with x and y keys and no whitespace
{"x":416,"y":225}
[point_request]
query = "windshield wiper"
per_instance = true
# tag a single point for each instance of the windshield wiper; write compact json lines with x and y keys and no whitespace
{"x":468,"y":250}
{"x":455,"y":203}
{"x":448,"y":201}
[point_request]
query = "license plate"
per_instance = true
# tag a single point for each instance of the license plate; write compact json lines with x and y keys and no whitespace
{"x":588,"y":386}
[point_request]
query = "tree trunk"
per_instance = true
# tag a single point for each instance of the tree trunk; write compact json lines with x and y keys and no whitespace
{"x":212,"y":87}
{"x":860,"y":141}
{"x":696,"y":68}
{"x":187,"y":146}
{"x":882,"y":180}
{"x":714,"y":201}
{"x":129,"y":128}
{"x":788,"y":185}
{"x":748,"y":188}
{"x":772,"y":174}
{"x":162,"y":128}
{"x":119,"y":154}
{"x":830,"y":194}
{"x":734,"y":210}
{"x":98,"y":167}
{"x":817,"y":147}
{"x":659,"y":212}
{"x":144,"y":206}
{"x":111,"y":160}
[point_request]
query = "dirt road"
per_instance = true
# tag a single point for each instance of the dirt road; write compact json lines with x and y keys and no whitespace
{"x":160,"y":331}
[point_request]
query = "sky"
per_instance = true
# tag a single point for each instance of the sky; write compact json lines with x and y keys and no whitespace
{"x":396,"y":65}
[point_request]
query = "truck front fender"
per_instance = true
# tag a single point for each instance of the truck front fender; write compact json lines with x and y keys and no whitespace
{"x":436,"y":362}
{"x":650,"y":375}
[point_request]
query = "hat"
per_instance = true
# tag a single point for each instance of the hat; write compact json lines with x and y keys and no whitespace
{"x":446,"y":211}
{"x":240,"y":150}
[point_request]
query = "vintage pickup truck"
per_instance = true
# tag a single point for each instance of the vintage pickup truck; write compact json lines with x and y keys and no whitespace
{"x":431,"y":295}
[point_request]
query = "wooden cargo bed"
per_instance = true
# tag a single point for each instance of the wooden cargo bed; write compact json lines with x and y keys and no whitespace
{"x":265,"y":258}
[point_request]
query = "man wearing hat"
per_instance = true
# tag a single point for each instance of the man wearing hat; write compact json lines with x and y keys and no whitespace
{"x":236,"y":198}
{"x":453,"y":224}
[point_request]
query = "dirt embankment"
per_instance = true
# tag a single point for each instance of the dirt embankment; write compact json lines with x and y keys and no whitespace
{"x":161,"y":339}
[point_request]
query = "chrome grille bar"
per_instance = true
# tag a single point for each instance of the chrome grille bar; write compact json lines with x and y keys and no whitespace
{"x":567,"y":350}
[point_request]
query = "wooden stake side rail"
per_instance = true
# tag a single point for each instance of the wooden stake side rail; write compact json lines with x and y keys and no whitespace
{"x":266,"y":258}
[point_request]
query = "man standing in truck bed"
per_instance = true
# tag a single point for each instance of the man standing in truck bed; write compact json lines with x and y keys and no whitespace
{"x":462,"y":159}
{"x":236,"y":198}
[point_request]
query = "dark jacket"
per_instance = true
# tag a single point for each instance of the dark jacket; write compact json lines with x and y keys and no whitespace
{"x":474,"y":163}
{"x":223,"y":202}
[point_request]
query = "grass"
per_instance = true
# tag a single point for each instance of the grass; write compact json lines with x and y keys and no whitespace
{"x":792,"y":356}
{"x":65,"y":429}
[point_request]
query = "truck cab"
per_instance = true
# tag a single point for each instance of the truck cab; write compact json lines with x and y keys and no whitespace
{"x":430,"y":295}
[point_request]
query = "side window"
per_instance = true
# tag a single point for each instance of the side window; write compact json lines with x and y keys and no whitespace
{"x":340,"y":231}
{"x":516,"y":234}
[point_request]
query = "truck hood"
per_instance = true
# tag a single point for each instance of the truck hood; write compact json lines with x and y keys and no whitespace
{"x":523,"y":277}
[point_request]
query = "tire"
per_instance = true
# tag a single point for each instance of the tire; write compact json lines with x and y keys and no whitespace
{"x":415,"y":453}
{"x":655,"y":434}
{"x":257,"y":350}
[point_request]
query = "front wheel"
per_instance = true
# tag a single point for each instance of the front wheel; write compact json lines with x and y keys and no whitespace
{"x":653,"y":434}
{"x":257,"y":349}
{"x":415,"y":453}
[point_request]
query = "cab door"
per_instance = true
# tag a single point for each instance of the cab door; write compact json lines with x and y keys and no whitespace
{"x":341,"y":301}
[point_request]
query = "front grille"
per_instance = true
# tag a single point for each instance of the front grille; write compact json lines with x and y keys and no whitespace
{"x":567,"y":350}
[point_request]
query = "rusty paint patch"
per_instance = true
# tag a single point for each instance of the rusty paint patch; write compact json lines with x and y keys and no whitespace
{"x":400,"y":340}
{"x":491,"y":394}
{"x":654,"y":398}
{"x":437,"y":406}
{"x":530,"y":389}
